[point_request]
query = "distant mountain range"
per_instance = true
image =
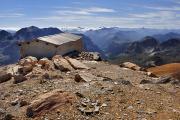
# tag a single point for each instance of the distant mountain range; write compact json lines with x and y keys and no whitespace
{"x":146,"y":47}
{"x":9,"y":51}
{"x":142,"y":46}
{"x":105,"y":36}
{"x":148,"y":52}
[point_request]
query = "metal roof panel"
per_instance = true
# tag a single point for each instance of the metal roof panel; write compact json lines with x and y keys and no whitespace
{"x":59,"y":39}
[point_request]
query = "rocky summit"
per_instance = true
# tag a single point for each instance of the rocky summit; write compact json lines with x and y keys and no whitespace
{"x":85,"y":88}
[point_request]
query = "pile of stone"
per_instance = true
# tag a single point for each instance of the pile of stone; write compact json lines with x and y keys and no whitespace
{"x":32,"y":66}
{"x":88,"y":107}
{"x":90,"y":56}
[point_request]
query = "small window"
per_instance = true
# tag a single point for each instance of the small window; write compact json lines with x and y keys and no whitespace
{"x":28,"y":42}
{"x":56,"y":46}
{"x":47,"y":43}
{"x":37,"y":40}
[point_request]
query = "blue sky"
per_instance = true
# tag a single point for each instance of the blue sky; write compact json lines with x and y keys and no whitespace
{"x":15,"y":14}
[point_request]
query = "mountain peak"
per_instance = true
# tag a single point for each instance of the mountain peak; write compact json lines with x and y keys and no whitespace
{"x":31,"y":28}
{"x":4,"y":35}
{"x":33,"y":32}
{"x":149,"y":41}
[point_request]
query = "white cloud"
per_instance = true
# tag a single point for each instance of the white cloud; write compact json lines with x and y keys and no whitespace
{"x":71,"y":12}
{"x":159,"y":14}
{"x":84,"y":11}
{"x":99,"y":10}
{"x":11,"y":15}
{"x":173,"y":8}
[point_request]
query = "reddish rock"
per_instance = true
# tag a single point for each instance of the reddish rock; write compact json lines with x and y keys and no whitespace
{"x":48,"y":102}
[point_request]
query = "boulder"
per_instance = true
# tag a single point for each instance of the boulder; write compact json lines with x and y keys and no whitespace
{"x":46,"y":64}
{"x":28,"y":60}
{"x":19,"y":78}
{"x":25,"y":69}
{"x":131,"y":66}
{"x":13,"y":70}
{"x":4,"y":76}
{"x":85,"y":77}
{"x":48,"y":102}
{"x":43,"y":61}
{"x":76,"y":64}
{"x":61,"y":63}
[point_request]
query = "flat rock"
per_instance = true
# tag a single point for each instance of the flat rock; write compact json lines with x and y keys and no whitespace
{"x":48,"y":102}
{"x":85,"y":77}
{"x":76,"y":64}
{"x":61,"y":63}
{"x":131,"y":66}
